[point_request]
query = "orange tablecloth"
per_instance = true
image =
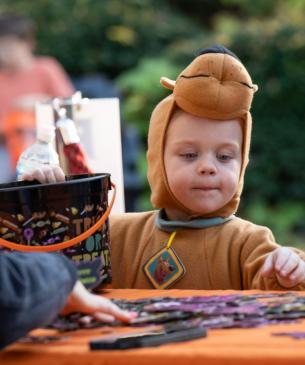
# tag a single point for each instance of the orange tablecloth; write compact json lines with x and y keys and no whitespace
{"x":221,"y":347}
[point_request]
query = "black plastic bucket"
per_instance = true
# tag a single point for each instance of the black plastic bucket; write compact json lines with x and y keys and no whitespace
{"x":70,"y":217}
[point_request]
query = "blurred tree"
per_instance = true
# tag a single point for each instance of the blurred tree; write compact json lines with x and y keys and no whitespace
{"x":142,"y":89}
{"x":109,"y":36}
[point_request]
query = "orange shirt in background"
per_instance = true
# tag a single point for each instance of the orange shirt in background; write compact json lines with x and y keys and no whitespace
{"x":46,"y":76}
{"x":19,"y":90}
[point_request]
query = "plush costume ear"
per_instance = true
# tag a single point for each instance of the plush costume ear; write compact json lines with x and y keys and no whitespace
{"x":168,"y":83}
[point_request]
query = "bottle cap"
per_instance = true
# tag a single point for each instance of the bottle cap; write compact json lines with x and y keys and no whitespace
{"x":67,"y":128}
{"x":46,"y":133}
{"x":62,"y":113}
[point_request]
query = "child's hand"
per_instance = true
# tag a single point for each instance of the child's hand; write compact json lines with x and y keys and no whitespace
{"x":288,"y":267}
{"x":102,"y":309}
{"x":45,"y":174}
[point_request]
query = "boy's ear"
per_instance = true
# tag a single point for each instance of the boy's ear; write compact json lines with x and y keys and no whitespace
{"x":168,"y":83}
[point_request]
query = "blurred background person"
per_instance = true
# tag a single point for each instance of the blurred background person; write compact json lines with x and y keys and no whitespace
{"x":24,"y":80}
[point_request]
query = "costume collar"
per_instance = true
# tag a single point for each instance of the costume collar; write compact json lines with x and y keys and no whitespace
{"x":170,"y":226}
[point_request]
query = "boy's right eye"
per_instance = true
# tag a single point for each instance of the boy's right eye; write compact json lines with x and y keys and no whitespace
{"x":188,"y":155}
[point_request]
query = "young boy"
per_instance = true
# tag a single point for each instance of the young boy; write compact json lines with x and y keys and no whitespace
{"x":198,"y":147}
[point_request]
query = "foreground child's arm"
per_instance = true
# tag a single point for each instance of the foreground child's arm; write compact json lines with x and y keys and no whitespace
{"x":287,"y":266}
{"x":102,"y":309}
{"x":35,"y":287}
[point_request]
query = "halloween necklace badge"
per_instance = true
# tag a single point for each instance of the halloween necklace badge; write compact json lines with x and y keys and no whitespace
{"x":164,"y":268}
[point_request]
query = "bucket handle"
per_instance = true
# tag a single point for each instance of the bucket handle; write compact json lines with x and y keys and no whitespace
{"x":66,"y":244}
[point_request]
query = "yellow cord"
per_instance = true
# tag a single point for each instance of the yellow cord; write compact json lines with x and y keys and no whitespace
{"x":170,"y":240}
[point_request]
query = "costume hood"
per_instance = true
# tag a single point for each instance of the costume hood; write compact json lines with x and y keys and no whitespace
{"x":215,"y":85}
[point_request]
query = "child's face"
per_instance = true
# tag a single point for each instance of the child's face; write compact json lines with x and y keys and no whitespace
{"x":12,"y":52}
{"x":202,"y":160}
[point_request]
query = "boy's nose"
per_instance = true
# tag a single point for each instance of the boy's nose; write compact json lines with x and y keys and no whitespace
{"x":206,"y":166}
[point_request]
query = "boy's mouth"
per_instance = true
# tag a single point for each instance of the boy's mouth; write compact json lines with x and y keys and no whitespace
{"x":205,"y":188}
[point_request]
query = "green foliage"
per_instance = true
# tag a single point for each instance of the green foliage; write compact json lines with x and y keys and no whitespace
{"x":259,"y":8}
{"x":143,"y":91}
{"x":286,"y":220}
